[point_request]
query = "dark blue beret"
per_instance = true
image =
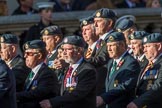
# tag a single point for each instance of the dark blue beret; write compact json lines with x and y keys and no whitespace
{"x":152,"y":38}
{"x":74,"y":40}
{"x":123,"y":24}
{"x":9,"y":38}
{"x":35,"y":44}
{"x":138,"y":35}
{"x":51,"y":30}
{"x":116,"y":36}
{"x":86,"y":21}
{"x":105,"y":13}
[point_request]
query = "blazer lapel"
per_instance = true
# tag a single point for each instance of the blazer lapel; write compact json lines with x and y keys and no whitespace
{"x":38,"y":74}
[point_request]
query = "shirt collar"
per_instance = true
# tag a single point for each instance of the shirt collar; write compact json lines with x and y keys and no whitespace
{"x":36,"y":69}
{"x":74,"y":66}
{"x":119,"y":59}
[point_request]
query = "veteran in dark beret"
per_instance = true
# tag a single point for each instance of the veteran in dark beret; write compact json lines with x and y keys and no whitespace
{"x":41,"y":82}
{"x":104,"y":20}
{"x":9,"y":53}
{"x":137,"y":46}
{"x":122,"y":74}
{"x":78,"y":89}
{"x":149,"y":85}
{"x":45,"y":11}
{"x":52,"y":36}
{"x":90,"y":37}
{"x":126,"y":25}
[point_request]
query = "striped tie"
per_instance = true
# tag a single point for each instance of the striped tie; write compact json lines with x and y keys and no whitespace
{"x":149,"y":65}
{"x":88,"y":54}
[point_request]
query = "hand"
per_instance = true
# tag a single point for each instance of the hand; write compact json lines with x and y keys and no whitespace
{"x":99,"y":101}
{"x":45,"y":104}
{"x":132,"y":105}
{"x":59,"y":63}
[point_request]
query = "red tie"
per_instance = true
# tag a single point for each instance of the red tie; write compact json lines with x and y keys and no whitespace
{"x":67,"y":77}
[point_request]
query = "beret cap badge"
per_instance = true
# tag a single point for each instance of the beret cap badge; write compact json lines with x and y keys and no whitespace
{"x":111,"y":38}
{"x":98,"y":14}
{"x":132,"y":37}
{"x":2,"y":39}
{"x":145,"y":39}
{"x":46,"y":32}
{"x":65,"y":40}
{"x":119,"y":30}
{"x":26,"y":46}
{"x":85,"y":22}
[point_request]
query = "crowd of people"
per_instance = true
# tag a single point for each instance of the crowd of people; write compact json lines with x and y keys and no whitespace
{"x":111,"y":65}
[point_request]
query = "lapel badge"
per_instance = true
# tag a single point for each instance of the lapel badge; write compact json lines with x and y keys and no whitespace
{"x":34,"y":87}
{"x":145,"y":39}
{"x":71,"y":89}
{"x":85,"y":22}
{"x":111,"y":38}
{"x":116,"y":82}
{"x":46,"y":32}
{"x":74,"y":74}
{"x":119,"y":30}
{"x":2,"y":39}
{"x":149,"y":85}
{"x":98,"y":14}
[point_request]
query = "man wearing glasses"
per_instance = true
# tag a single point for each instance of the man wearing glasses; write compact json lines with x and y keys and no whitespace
{"x":41,"y":82}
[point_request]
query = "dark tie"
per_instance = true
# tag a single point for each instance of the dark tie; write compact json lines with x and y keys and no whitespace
{"x":29,"y":79}
{"x":67,"y":77}
{"x":149,"y":65}
{"x":98,"y":44}
{"x":113,"y":69}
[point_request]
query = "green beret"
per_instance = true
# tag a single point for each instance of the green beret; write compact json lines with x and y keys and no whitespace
{"x":74,"y":40}
{"x":138,"y":35}
{"x":116,"y":36}
{"x":105,"y":13}
{"x":9,"y":39}
{"x":34,"y":44}
{"x":51,"y":30}
{"x":152,"y":38}
{"x":86,"y":21}
{"x":123,"y":24}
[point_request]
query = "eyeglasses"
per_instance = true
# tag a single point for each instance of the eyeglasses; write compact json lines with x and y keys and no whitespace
{"x":30,"y":53}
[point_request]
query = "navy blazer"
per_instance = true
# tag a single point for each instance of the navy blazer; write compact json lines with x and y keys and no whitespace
{"x":120,"y":88}
{"x":7,"y":87}
{"x":43,"y":86}
{"x":84,"y":94}
{"x":149,"y":87}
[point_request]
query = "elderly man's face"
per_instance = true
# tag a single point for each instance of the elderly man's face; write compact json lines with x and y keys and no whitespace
{"x":151,"y":50}
{"x":70,"y":53}
{"x":88,"y":33}
{"x":137,"y":47}
{"x":113,"y":49}
{"x":101,"y":26}
{"x":7,"y":52}
{"x":50,"y":42}
{"x":31,"y":58}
